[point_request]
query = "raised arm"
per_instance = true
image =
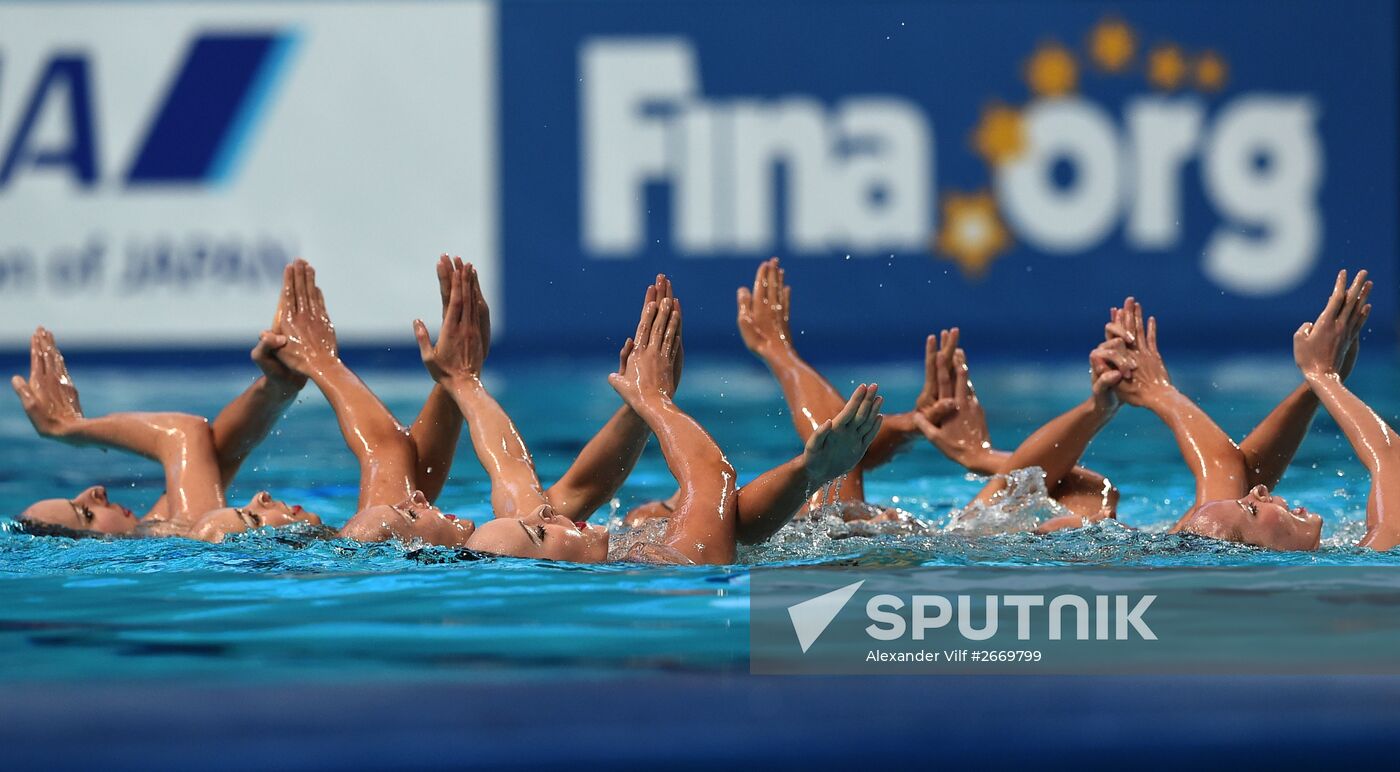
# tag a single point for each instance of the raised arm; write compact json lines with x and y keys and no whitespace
{"x":1214,"y":460}
{"x":771,"y":500}
{"x":764,"y":324}
{"x":1270,"y":447}
{"x":181,"y":443}
{"x":1319,"y":348}
{"x":381,"y":446}
{"x":702,"y":529}
{"x":438,"y":427}
{"x":606,"y":461}
{"x":455,"y":363}
{"x":247,"y":420}
{"x":1057,"y":446}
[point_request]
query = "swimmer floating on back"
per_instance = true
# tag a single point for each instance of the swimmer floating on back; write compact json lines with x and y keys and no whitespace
{"x":401,"y":470}
{"x":704,"y":526}
{"x":947,"y":411}
{"x":1233,"y":502}
{"x":1233,"y":499}
{"x":199,"y":459}
{"x":395,"y":501}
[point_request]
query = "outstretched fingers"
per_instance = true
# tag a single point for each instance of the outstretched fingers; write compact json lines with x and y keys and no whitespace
{"x":285,"y":302}
{"x":760,"y":282}
{"x":931,"y":363}
{"x":300,"y":300}
{"x":861,"y":413}
{"x":870,"y":405}
{"x":313,"y":292}
{"x":444,"y":277}
{"x":672,"y":337}
{"x":649,"y":313}
{"x":455,"y":317}
{"x":659,"y":321}
{"x":943,"y":361}
{"x":1336,"y":300}
{"x":482,"y":313}
{"x":623,"y":355}
{"x":962,"y":380}
{"x":26,"y":397}
{"x":663,"y":287}
{"x":36,"y":354}
{"x":1354,"y":292}
{"x":775,"y":285}
{"x":425,"y":341}
{"x":848,"y":411}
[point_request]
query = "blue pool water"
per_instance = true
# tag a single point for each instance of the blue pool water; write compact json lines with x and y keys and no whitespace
{"x":269,"y":607}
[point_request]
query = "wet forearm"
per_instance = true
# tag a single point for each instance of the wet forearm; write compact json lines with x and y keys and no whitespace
{"x":499,"y":447}
{"x":1370,"y":436}
{"x":366,"y":425}
{"x":1208,"y":451}
{"x":699,"y":466}
{"x":602,"y":466}
{"x":246,"y":421}
{"x":1269,"y":449}
{"x":769,"y":502}
{"x":810,"y":398}
{"x":435,"y":434}
{"x":1058,"y":445}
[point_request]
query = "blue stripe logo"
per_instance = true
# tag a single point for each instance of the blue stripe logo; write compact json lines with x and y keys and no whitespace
{"x":203,"y":127}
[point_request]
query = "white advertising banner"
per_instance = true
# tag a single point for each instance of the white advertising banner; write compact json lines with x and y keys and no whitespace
{"x":160,"y":162}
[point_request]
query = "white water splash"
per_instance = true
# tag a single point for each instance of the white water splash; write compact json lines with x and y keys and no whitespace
{"x":1021,"y":506}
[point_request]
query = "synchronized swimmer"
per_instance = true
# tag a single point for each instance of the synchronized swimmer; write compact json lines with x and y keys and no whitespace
{"x":404,"y":469}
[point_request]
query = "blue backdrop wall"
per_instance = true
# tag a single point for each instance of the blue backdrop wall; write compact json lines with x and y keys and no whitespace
{"x":1219,"y":159}
{"x":1014,"y":168}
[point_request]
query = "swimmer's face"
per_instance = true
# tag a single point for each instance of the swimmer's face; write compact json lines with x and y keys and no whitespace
{"x":545,"y":535}
{"x":262,"y":511}
{"x":1259,"y":518}
{"x":410,"y":520}
{"x":89,"y":511}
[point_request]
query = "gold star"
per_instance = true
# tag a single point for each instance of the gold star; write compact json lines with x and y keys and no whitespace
{"x":1166,"y":67}
{"x":1211,"y":71}
{"x":1000,"y":136}
{"x":1112,"y":45}
{"x":1051,"y":71}
{"x":972,"y":234}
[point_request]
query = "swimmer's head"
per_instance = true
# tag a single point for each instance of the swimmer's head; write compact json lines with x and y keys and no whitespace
{"x":542,"y":534}
{"x":261,"y":511}
{"x":89,"y":511}
{"x":1258,"y":518}
{"x":410,"y":520}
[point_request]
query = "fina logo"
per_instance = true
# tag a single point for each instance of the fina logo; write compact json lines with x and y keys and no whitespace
{"x":859,"y":174}
{"x":196,"y":135}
